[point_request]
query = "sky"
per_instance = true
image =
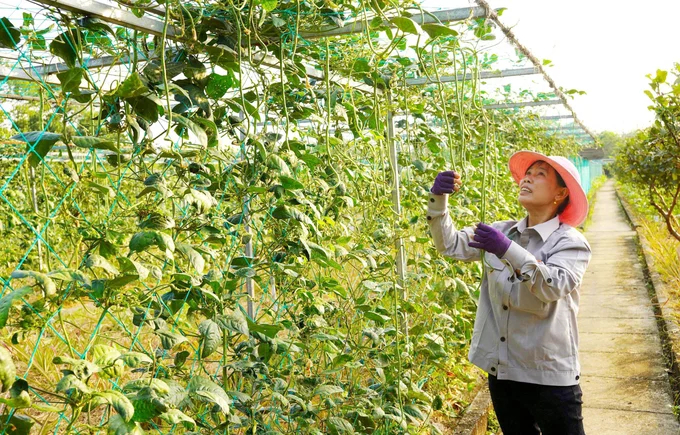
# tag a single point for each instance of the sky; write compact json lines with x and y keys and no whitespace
{"x":603,"y":47}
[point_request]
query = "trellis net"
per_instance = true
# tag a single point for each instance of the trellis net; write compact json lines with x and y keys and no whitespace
{"x":199,"y":228}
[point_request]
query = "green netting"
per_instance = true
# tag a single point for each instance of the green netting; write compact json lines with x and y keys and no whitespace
{"x":589,"y":170}
{"x":194,"y":241}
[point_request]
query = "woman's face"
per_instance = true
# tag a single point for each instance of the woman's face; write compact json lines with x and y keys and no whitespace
{"x":539,"y":187}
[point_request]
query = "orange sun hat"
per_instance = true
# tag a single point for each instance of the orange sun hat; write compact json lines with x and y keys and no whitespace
{"x":576,"y":211}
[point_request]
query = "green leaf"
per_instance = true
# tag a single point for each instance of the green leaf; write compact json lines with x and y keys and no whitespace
{"x":19,"y":424}
{"x":245,"y":272}
{"x":206,"y":390}
{"x":18,"y":394}
{"x":143,"y":240}
{"x":67,"y":45}
{"x":282,"y":212}
{"x":95,"y":260}
{"x":377,"y":317}
{"x":263,"y":328}
{"x":157,"y":385}
{"x":235,"y":322}
{"x":132,"y":86}
{"x":121,"y":281}
{"x":118,"y":426}
{"x":210,"y":129}
{"x":8,"y":370}
{"x":80,"y":368}
{"x":289,"y":183}
{"x":328,"y":390}
{"x":119,"y":402}
{"x":107,"y":358}
{"x":134,"y":267}
{"x":69,"y":383}
{"x":99,"y":189}
{"x":170,"y":339}
{"x":145,"y":107}
{"x":136,"y":359}
{"x":175,"y":416}
{"x":95,"y":142}
{"x":43,"y":280}
{"x":268,"y":5}
{"x":405,"y":24}
{"x":338,"y":425}
{"x":218,"y":85}
{"x":202,"y":200}
{"x":7,"y":301}
{"x":211,"y":337}
{"x":661,"y":76}
{"x":435,"y":30}
{"x":193,"y":256}
{"x":158,"y":221}
{"x":70,"y":275}
{"x":194,"y":128}
{"x":276,"y":162}
{"x":42,"y":141}
{"x":70,"y":79}
{"x":9,"y":35}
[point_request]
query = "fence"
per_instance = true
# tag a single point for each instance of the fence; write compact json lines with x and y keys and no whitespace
{"x":589,"y":170}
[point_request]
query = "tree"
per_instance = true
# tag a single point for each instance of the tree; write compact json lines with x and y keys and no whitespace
{"x":651,"y":158}
{"x":610,"y":141}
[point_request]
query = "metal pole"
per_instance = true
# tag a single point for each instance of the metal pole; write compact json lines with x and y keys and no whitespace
{"x":396,"y":198}
{"x":555,"y":117}
{"x":250,"y":288}
{"x":470,"y":76}
{"x":34,"y":195}
{"x":523,"y":104}
{"x":445,"y":16}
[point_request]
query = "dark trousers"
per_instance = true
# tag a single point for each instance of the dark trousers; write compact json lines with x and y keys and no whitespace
{"x":530,"y":409}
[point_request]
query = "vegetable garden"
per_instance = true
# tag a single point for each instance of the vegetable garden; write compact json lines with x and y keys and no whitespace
{"x":213,"y":213}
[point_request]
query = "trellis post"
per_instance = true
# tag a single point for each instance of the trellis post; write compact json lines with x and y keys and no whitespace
{"x":396,"y":198}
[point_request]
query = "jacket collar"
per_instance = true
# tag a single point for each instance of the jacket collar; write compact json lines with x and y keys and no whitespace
{"x":544,"y":230}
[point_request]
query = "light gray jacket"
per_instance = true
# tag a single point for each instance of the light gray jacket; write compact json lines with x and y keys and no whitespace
{"x":525,"y":329}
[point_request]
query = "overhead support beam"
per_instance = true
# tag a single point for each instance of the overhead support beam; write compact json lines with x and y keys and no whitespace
{"x":30,"y":75}
{"x":359,"y":26}
{"x":89,"y":63}
{"x":116,"y":15}
{"x":555,"y":117}
{"x":523,"y":104}
{"x":18,"y":97}
{"x":471,"y":76}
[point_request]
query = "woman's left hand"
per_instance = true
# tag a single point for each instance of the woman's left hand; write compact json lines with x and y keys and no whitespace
{"x":491,"y":240}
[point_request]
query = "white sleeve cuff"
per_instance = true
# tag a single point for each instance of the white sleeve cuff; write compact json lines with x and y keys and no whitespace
{"x":437,"y":204}
{"x":518,"y":256}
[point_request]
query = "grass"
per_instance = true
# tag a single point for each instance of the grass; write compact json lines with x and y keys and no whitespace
{"x":594,"y":187}
{"x":665,"y":249}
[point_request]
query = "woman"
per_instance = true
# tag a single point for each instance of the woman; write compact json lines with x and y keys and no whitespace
{"x":525,"y":335}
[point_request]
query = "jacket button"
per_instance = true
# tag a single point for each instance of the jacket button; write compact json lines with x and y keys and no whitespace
{"x":429,"y":218}
{"x":549,"y":280}
{"x":431,"y":199}
{"x":493,"y":369}
{"x":502,"y":338}
{"x":505,"y":307}
{"x":577,"y":378}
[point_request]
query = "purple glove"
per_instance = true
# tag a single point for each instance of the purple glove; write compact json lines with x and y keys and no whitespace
{"x":445,"y":183}
{"x":491,"y":240}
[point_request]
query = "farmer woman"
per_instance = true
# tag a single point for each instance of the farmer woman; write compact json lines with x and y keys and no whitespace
{"x":525,"y":335}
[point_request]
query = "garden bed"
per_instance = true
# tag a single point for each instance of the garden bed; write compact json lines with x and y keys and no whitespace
{"x":659,"y":254}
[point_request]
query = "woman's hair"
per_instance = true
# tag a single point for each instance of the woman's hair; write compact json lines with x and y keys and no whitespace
{"x":560,"y":182}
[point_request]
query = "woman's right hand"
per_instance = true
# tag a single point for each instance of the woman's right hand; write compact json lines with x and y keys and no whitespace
{"x":446,"y":182}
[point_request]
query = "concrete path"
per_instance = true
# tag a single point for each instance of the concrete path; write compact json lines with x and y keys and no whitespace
{"x":623,"y":377}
